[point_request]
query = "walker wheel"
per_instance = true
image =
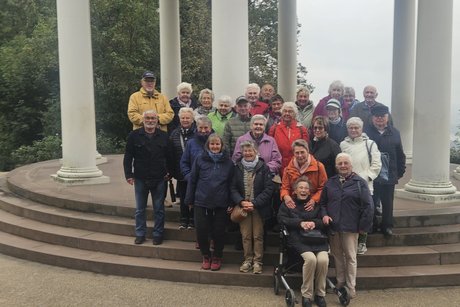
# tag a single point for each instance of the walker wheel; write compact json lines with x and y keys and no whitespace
{"x":290,"y":298}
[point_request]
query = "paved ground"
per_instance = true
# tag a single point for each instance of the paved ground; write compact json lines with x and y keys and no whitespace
{"x":25,"y":283}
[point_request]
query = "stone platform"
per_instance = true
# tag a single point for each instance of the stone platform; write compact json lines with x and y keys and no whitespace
{"x":91,"y":228}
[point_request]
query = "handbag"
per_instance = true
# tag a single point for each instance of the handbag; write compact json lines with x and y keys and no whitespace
{"x":385,"y":159}
{"x":238,"y":214}
{"x":313,"y":236}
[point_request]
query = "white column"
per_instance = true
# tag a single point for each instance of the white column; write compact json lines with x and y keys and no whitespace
{"x":430,"y":171}
{"x":170,"y":59}
{"x":77,"y":95}
{"x":230,"y":49}
{"x":287,"y":49}
{"x":402,"y":98}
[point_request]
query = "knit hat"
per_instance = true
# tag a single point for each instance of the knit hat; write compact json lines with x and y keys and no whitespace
{"x":333,"y":103}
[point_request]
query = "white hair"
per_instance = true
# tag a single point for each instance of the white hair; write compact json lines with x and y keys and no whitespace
{"x":184,"y":85}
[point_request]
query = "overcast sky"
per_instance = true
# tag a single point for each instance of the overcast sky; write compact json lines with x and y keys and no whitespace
{"x":352,"y":41}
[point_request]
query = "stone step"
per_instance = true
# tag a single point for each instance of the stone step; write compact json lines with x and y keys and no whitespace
{"x":184,"y":271}
{"x":124,"y":226}
{"x":185,"y":251}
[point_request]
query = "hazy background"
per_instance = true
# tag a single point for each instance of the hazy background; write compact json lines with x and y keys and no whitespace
{"x":352,"y":41}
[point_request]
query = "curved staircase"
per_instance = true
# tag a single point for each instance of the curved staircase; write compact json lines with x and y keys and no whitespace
{"x":91,"y":228}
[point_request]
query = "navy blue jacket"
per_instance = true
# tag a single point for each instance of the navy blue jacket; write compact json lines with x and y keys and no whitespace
{"x":350,"y":211}
{"x":209,"y":182}
{"x":150,"y":157}
{"x":192,"y":150}
{"x":263,"y":188}
{"x":390,"y":142}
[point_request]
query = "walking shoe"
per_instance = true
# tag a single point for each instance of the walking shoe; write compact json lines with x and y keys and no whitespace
{"x":139,"y":240}
{"x":157,"y":241}
{"x":257,"y":268}
{"x":306,"y":302}
{"x":168,"y":203}
{"x":216,"y":263}
{"x":206,"y":265}
{"x":387,"y":233}
{"x":182,"y":226}
{"x":191,"y":227}
{"x":320,"y":301}
{"x":246,"y":267}
{"x":362,"y":249}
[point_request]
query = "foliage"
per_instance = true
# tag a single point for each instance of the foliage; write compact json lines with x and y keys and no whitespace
{"x":46,"y":149}
{"x":107,"y":144}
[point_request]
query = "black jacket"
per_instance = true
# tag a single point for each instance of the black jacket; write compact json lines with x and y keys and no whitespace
{"x":291,"y":218}
{"x":390,"y":142}
{"x":338,"y":132}
{"x":325,"y":151}
{"x":175,"y":105}
{"x":147,"y":157}
{"x":263,"y":188}
{"x":179,"y":138}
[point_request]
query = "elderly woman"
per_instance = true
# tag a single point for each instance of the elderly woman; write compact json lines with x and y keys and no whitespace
{"x":303,"y":164}
{"x":251,"y":189}
{"x":314,"y":253}
{"x":274,"y":111}
{"x":209,"y":193}
{"x":287,"y":131}
{"x":337,"y":125}
{"x":205,"y":99}
{"x":183,"y":99}
{"x":179,"y":138}
{"x":223,"y":112}
{"x":305,"y":106}
{"x":349,"y":100}
{"x":335,"y":91}
{"x":323,"y":148}
{"x":365,"y":160}
{"x":346,"y":205}
{"x":266,"y":145}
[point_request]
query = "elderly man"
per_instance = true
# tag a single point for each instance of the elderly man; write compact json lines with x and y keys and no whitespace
{"x":238,"y":125}
{"x":346,"y":205}
{"x":388,"y":140}
{"x":266,"y":93}
{"x":146,"y":163}
{"x":252,"y":95}
{"x":363,"y":109}
{"x":147,"y":98}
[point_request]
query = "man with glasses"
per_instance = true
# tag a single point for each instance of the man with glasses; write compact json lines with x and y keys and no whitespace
{"x":147,"y":98}
{"x":146,"y":162}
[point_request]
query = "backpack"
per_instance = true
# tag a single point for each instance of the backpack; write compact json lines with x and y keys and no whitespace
{"x":385,"y":159}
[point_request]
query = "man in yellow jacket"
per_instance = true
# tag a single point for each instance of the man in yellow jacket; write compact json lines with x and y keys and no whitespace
{"x":147,"y":98}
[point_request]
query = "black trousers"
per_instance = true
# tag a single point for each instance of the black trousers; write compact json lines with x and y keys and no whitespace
{"x":385,"y":194}
{"x":211,"y":223}
{"x":186,"y":214}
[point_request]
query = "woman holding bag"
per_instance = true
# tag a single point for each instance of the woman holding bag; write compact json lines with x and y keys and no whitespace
{"x":251,"y":189}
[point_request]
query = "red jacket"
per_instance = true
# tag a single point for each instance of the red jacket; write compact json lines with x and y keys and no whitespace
{"x":285,"y":136}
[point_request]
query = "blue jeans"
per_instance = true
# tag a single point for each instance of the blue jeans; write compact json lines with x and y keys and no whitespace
{"x":158,"y":197}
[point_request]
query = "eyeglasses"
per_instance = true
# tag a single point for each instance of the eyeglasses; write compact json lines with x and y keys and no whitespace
{"x":318,"y":128}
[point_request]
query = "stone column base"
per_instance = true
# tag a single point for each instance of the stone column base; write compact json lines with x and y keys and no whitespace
{"x":81,"y":180}
{"x":428,"y":198}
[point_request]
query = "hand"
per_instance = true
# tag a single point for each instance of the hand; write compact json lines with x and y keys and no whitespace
{"x":307,"y":225}
{"x":130,"y":181}
{"x":289,"y":202}
{"x":327,"y":220}
{"x":247,"y":206}
{"x":310,"y":205}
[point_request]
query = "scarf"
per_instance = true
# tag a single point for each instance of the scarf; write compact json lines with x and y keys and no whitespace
{"x":215,"y":156}
{"x":304,"y":167}
{"x":249,"y":165}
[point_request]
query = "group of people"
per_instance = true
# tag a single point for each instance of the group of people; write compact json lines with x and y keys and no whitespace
{"x":307,"y":167}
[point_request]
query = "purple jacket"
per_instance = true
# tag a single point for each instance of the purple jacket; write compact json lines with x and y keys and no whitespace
{"x":268,"y":151}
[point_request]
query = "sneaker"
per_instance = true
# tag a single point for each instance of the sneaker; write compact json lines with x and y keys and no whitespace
{"x":362,"y":249}
{"x":216,"y":263}
{"x":182,"y":226}
{"x":168,"y":203}
{"x":320,"y":301}
{"x":191,"y":227}
{"x":257,"y":269}
{"x":206,"y":265}
{"x":139,"y":240}
{"x":246,"y":267}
